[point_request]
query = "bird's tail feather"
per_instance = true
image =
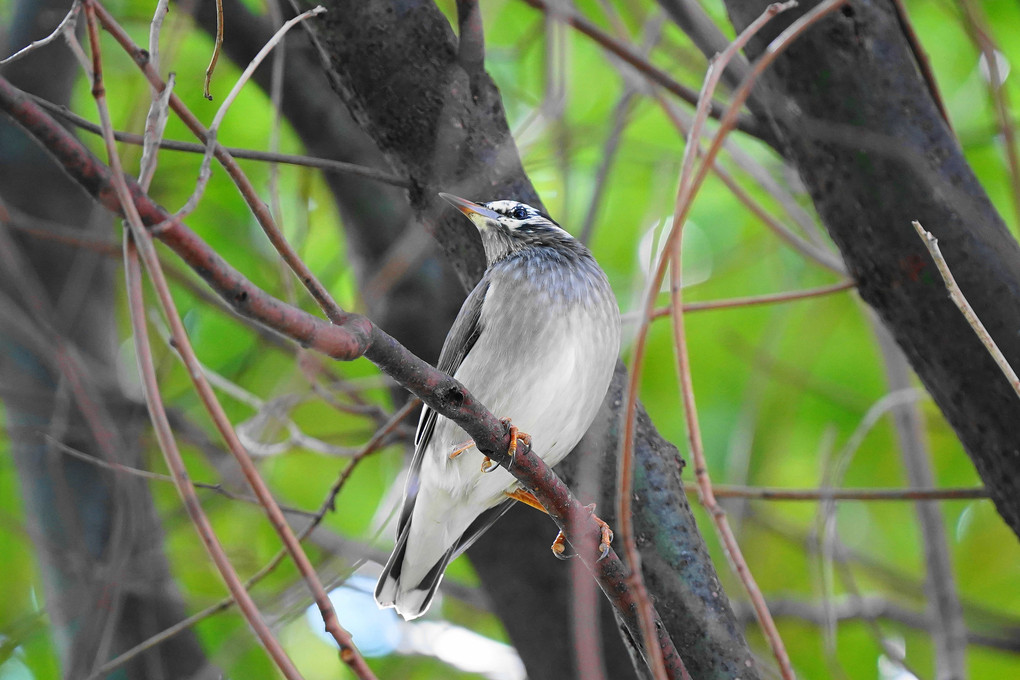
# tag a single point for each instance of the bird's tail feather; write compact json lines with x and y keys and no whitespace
{"x":410,"y":601}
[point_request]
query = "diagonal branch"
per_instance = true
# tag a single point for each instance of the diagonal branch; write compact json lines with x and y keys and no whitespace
{"x":352,"y":336}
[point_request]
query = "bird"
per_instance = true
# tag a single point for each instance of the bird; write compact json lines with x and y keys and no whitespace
{"x":536,"y":341}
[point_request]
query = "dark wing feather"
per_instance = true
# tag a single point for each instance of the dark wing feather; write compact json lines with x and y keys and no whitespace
{"x":463,"y":335}
{"x":479,"y":526}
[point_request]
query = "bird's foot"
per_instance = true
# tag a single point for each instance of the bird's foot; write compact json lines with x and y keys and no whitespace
{"x":606,"y":532}
{"x":527,"y":498}
{"x":559,"y":546}
{"x":488,"y":465}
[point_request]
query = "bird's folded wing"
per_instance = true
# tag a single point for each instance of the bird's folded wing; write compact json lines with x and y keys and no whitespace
{"x":467,"y":328}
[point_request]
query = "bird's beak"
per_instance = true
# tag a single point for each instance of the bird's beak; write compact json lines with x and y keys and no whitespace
{"x":478,"y":214}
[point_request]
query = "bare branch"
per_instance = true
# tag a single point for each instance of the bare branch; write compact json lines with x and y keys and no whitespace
{"x":932,"y":244}
{"x":217,"y":46}
{"x":829,"y":494}
{"x":65,"y":28}
{"x":653,"y":73}
{"x":324,"y":164}
{"x":350,"y":337}
{"x":148,"y":373}
{"x":689,"y":183}
{"x":949,"y":634}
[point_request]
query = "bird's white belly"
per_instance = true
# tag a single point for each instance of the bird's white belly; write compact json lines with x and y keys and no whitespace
{"x":549,"y":380}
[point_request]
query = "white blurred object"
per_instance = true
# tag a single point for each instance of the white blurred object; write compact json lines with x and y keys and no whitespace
{"x":891,"y":669}
{"x":1001,"y":65}
{"x":378,"y":632}
{"x":697,"y":253}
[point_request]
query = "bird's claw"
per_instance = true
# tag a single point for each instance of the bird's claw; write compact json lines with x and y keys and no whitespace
{"x":605,"y":532}
{"x":559,"y":547}
{"x":515,"y":436}
{"x":488,"y":465}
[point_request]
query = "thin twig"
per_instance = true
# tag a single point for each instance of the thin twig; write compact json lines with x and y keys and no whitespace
{"x":921,"y":57}
{"x":147,"y":371}
{"x":804,"y":246}
{"x":685,"y":195}
{"x":217,"y":46}
{"x":643,"y":66}
{"x":155,"y":28}
{"x":750,"y":301}
{"x":155,"y":124}
{"x":205,"y":171}
{"x":319,"y":293}
{"x":948,"y":631}
{"x":324,"y":164}
{"x":371,"y":446}
{"x":771,"y":493}
{"x":159,"y":105}
{"x":67,"y":26}
{"x":621,"y":115}
{"x":956,"y":295}
{"x":974,"y":22}
{"x":671,"y":252}
{"x":873,"y":607}
{"x":159,"y":477}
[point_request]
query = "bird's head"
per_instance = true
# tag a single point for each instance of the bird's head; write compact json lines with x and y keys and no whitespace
{"x":508,"y":227}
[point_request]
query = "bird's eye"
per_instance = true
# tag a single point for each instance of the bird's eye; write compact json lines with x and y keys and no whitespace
{"x":519,"y":213}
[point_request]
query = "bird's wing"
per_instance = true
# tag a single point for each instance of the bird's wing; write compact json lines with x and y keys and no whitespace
{"x":461,"y":338}
{"x":480,"y":525}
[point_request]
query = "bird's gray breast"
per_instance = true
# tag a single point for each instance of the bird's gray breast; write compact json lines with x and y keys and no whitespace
{"x":550,"y":335}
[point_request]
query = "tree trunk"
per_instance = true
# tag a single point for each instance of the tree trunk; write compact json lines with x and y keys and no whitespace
{"x":426,"y":100}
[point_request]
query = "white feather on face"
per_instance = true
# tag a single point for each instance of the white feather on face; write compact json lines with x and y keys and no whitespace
{"x":517,"y":226}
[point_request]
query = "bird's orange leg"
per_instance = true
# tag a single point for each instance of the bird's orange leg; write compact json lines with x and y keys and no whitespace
{"x":606,"y":532}
{"x":462,"y":448}
{"x":527,"y":498}
{"x":515,"y":436}
{"x":559,"y":546}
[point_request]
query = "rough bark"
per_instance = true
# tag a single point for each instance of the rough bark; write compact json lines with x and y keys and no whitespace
{"x":375,"y":216}
{"x":437,"y":116}
{"x":97,"y":535}
{"x":417,"y":312}
{"x":857,"y":120}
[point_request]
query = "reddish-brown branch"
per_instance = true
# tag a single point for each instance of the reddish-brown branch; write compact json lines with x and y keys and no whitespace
{"x":767,"y":493}
{"x":645,"y":67}
{"x":753,"y":300}
{"x":141,"y":238}
{"x":370,"y":447}
{"x":180,"y":475}
{"x":352,"y":336}
{"x":690,"y":182}
{"x":688,"y":185}
{"x":152,"y":396}
{"x":244,"y":185}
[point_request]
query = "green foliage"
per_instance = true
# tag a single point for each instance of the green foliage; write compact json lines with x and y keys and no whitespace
{"x":780,"y":388}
